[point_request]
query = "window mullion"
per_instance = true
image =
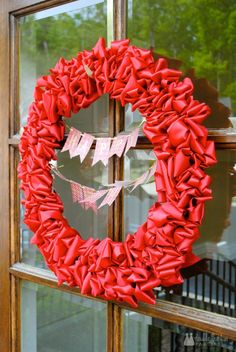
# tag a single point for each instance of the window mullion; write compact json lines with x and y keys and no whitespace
{"x":119,"y":13}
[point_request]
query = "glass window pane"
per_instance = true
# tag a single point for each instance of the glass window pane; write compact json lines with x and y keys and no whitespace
{"x":55,"y":321}
{"x":197,"y":37}
{"x":132,"y":119}
{"x":211,"y":284}
{"x":87,"y":222}
{"x":62,"y":31}
{"x":146,"y":334}
{"x":44,"y":37}
{"x":137,"y":203}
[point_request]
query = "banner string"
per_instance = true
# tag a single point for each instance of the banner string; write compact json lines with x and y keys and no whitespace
{"x":126,"y":184}
{"x":88,"y":196}
{"x":122,"y":133}
{"x":79,"y":144}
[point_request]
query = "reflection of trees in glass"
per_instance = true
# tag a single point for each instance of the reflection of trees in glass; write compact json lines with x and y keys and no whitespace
{"x":201,"y":33}
{"x":45,"y":40}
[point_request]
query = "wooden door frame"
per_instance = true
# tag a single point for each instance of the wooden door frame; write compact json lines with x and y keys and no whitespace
{"x":11,"y":270}
{"x":4,"y":185}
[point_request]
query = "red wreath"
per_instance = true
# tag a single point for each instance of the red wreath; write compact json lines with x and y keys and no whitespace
{"x":154,"y":255}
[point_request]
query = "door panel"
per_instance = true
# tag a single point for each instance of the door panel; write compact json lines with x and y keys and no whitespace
{"x":53,"y":320}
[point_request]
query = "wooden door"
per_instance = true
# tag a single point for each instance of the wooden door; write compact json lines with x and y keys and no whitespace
{"x":37,"y":314}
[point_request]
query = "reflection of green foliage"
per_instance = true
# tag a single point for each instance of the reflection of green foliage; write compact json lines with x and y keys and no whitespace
{"x":200,"y":33}
{"x":45,"y":40}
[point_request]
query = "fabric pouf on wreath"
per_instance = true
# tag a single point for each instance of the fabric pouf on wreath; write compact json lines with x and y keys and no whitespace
{"x":154,"y":255}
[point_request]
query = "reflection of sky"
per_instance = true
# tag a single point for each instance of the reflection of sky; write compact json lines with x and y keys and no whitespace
{"x":67,"y":8}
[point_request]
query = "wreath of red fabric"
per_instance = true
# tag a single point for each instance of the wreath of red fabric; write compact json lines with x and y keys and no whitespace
{"x":154,"y":255}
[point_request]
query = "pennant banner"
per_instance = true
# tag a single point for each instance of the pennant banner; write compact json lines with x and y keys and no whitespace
{"x":88,"y":192}
{"x":132,"y":140}
{"x":140,"y":180}
{"x":95,"y":196}
{"x":76,"y":191}
{"x":80,"y":193}
{"x":118,"y":145}
{"x":102,"y":151}
{"x":87,"y":197}
{"x":72,"y":141}
{"x":79,"y":144}
{"x":111,"y":196}
{"x":84,"y":146}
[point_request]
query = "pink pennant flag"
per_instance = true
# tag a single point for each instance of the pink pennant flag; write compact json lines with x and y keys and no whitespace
{"x":111,"y":196}
{"x":102,"y":151}
{"x":152,"y":171}
{"x":118,"y":145}
{"x":77,"y":192}
{"x":132,"y":140}
{"x":84,"y":146}
{"x":140,"y":180}
{"x":74,"y":144}
{"x":88,"y":192}
{"x":72,"y":140}
{"x":95,"y":196}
